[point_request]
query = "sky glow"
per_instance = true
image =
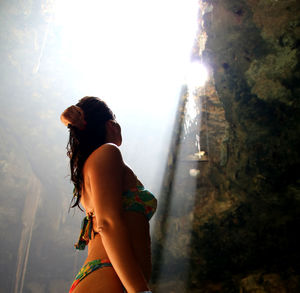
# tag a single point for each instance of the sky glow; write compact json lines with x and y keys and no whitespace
{"x":136,"y":55}
{"x":129,"y":48}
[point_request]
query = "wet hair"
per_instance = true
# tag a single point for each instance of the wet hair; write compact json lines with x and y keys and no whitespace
{"x":83,"y":141}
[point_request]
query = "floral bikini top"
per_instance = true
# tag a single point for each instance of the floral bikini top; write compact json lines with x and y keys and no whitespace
{"x":137,"y":199}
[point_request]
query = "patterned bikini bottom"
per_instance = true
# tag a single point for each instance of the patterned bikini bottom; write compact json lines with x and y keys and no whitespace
{"x":88,"y":268}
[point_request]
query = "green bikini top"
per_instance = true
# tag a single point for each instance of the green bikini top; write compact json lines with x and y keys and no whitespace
{"x":137,"y":199}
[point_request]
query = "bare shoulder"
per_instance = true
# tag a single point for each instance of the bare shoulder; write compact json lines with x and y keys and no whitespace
{"x":107,"y":149}
{"x":108,"y":153}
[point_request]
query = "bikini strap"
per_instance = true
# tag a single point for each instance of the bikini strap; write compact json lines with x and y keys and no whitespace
{"x":85,"y":233}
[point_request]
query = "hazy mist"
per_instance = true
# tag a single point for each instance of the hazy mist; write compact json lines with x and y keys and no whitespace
{"x":132,"y":55}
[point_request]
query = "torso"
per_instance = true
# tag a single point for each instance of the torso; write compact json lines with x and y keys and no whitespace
{"x":137,"y":224}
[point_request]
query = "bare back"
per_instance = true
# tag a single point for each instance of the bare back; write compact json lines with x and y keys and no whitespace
{"x":136,"y":223}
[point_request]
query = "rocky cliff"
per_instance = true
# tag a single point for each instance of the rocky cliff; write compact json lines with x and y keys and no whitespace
{"x":232,"y":226}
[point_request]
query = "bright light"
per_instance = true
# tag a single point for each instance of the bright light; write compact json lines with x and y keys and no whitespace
{"x":133,"y":54}
{"x":196,"y":76}
{"x":129,"y":49}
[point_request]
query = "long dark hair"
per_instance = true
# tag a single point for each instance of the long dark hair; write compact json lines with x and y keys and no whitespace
{"x":82,"y":142}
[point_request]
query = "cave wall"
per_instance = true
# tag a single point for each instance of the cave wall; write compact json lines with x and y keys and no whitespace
{"x":245,"y":211}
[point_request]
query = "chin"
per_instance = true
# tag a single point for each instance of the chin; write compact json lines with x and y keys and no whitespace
{"x":119,"y":142}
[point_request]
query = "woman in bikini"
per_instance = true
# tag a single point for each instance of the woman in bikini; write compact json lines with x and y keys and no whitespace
{"x":117,"y":207}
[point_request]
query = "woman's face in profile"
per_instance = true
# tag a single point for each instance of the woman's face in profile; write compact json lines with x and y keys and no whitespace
{"x":113,"y":132}
{"x":118,"y":132}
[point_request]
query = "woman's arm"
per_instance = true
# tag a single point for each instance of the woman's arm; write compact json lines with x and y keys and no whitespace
{"x":105,"y":173}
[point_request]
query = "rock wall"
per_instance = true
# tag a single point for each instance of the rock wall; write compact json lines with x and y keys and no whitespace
{"x":236,"y":229}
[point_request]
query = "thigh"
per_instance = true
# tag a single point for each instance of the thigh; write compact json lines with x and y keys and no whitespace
{"x":102,"y":280}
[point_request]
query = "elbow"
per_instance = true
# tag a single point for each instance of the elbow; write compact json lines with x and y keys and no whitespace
{"x":103,"y":226}
{"x":108,"y":224}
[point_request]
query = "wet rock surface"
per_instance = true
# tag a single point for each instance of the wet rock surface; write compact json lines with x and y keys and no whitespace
{"x":240,"y":219}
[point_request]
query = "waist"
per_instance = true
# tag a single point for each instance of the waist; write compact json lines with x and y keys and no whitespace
{"x":141,"y":251}
{"x":96,"y":249}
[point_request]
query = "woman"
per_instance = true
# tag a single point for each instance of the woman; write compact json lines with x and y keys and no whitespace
{"x":118,"y":208}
